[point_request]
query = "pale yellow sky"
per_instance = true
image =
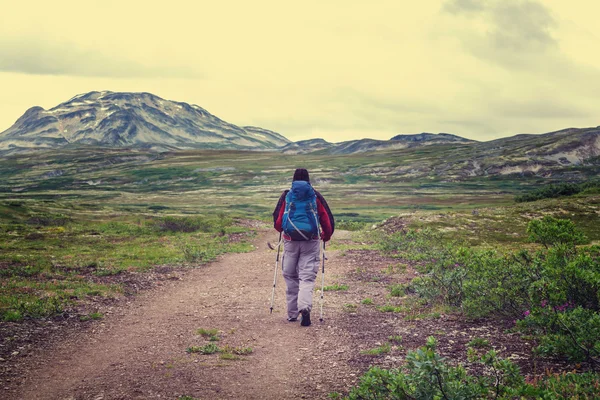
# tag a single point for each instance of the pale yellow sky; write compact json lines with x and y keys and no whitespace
{"x":334,"y":69}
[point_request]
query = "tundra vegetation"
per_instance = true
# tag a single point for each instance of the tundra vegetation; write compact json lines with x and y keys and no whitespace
{"x":72,"y":223}
{"x":548,"y":283}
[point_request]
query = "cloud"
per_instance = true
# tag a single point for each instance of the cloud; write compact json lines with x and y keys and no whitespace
{"x":31,"y":56}
{"x":461,"y":6}
{"x":502,"y":30}
{"x":522,"y":26}
{"x":541,"y":109}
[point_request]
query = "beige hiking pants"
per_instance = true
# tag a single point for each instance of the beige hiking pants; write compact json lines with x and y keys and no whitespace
{"x":300,"y":265}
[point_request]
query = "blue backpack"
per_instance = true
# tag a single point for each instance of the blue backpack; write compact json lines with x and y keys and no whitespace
{"x":300,"y":219}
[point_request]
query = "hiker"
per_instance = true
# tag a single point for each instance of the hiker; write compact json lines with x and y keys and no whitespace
{"x":298,"y":215}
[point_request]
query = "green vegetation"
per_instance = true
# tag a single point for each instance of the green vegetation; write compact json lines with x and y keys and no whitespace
{"x":227,"y":352}
{"x":559,"y":190}
{"x":348,"y":307}
{"x":391,"y":308}
{"x":229,"y":356}
{"x":335,"y":287}
{"x":553,"y":292}
{"x":49,"y":260}
{"x":207,"y":332}
{"x":210,"y":348}
{"x":396,"y":339}
{"x":546,"y":279}
{"x":384,"y":348}
{"x":397,"y":290}
{"x":91,"y":316}
{"x":240,"y":351}
{"x":64,"y":239}
{"x":479,"y":343}
{"x":427,"y":375}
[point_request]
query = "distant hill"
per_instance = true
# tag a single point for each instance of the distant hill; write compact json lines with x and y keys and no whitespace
{"x":131,"y":119}
{"x":306,"y":146}
{"x":146,"y":121}
{"x":366,"y":145}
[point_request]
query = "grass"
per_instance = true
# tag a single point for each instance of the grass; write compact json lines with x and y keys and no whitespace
{"x":207,"y":332}
{"x":114,"y":211}
{"x":396,"y":339}
{"x":91,"y":316}
{"x":240,"y":351}
{"x":227,"y":352}
{"x":229,"y":356}
{"x":479,"y":343}
{"x":49,"y":261}
{"x":210,"y":348}
{"x":391,"y":308}
{"x":22,"y":297}
{"x":367,"y":302}
{"x":383,"y":349}
{"x":335,"y":288}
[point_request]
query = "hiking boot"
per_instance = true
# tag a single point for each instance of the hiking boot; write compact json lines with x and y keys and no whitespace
{"x":305,"y":320}
{"x":292,"y":319}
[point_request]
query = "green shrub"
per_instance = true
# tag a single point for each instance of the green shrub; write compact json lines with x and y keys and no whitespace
{"x":555,"y":292}
{"x":398,"y":290}
{"x":551,"y":231}
{"x":427,"y":375}
{"x":574,"y":333}
{"x":563,"y":386}
{"x":558,"y":190}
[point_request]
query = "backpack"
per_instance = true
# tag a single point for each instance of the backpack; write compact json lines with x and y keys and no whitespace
{"x":300,"y":219}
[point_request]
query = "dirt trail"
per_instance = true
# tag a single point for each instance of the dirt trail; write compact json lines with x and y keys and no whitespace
{"x":139,"y":352}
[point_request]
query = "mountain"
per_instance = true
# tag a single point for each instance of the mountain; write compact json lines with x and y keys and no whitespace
{"x":539,"y":154}
{"x":430,"y":138}
{"x":146,"y":121}
{"x":131,"y":119}
{"x":306,"y":146}
{"x":367,"y":145}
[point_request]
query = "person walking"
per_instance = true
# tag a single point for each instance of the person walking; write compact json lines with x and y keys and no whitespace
{"x":299,"y":213}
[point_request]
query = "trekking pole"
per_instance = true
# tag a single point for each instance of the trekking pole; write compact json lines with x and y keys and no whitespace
{"x":322,"y":282}
{"x":275,"y":274}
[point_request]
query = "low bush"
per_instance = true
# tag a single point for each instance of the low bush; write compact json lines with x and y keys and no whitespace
{"x":558,"y":190}
{"x":427,"y":375}
{"x":554,"y":292}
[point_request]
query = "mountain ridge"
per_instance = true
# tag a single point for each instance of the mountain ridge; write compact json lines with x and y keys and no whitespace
{"x":131,"y":119}
{"x":146,"y":121}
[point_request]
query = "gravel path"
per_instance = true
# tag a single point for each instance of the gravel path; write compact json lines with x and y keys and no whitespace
{"x":139,"y":352}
